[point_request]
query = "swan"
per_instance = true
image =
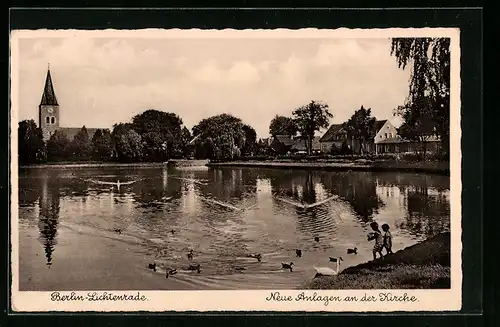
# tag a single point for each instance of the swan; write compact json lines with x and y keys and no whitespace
{"x":170,"y":272}
{"x":307,"y":206}
{"x":195,"y":267}
{"x":117,"y":183}
{"x":287,"y":265}
{"x":257,"y":256}
{"x":327,"y":271}
{"x":226,"y":205}
{"x":352,"y":251}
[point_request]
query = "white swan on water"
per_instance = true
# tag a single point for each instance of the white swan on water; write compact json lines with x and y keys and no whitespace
{"x":307,"y":206}
{"x":327,"y":271}
{"x":117,"y":183}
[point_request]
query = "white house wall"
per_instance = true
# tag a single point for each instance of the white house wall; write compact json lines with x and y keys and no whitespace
{"x":388,"y":131}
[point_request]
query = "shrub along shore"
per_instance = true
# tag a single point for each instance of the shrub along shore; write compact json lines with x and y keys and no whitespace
{"x":421,"y":266}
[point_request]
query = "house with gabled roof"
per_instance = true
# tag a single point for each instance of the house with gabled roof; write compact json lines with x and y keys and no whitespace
{"x":337,"y":135}
{"x":334,"y":136}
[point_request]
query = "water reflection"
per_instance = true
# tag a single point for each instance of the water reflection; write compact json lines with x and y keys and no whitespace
{"x":49,"y":203}
{"x":254,"y":219}
{"x":358,"y":189}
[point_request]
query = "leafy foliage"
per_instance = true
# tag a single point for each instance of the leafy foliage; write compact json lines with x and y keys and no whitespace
{"x":31,"y":148}
{"x":128,"y":143}
{"x":429,"y":89}
{"x":59,"y":147}
{"x":281,"y":125}
{"x":102,"y":144}
{"x":220,"y":137}
{"x":361,"y":126}
{"x":80,"y":145}
{"x":311,"y":118}
{"x":159,"y":132}
{"x":250,"y":143}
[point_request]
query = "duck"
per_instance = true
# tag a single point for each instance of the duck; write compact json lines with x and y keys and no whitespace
{"x":352,"y":251}
{"x":152,"y":266}
{"x":190,"y":255}
{"x":287,"y":265}
{"x":327,"y":271}
{"x":316,"y":239}
{"x":118,"y":230}
{"x":299,"y":253}
{"x":170,"y":272}
{"x":336,"y":259}
{"x":172,"y":231}
{"x":257,"y":256}
{"x":195,"y":267}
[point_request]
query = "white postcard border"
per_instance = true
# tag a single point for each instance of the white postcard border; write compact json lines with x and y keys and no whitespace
{"x":427,"y":300}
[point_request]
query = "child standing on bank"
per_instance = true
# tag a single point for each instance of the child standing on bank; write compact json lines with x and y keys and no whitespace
{"x":379,"y":240}
{"x":387,"y":239}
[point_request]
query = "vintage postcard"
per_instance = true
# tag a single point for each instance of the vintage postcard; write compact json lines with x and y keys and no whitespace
{"x":236,"y":170}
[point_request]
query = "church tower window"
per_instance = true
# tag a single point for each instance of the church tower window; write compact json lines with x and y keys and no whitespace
{"x":52,"y":120}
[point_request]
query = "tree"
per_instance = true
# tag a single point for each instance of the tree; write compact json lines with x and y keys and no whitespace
{"x":281,"y":125}
{"x":311,"y":118}
{"x":361,"y":126}
{"x":418,"y":125}
{"x":80,"y":145}
{"x":430,"y":79}
{"x":58,"y":146}
{"x":102,"y":144}
{"x":31,"y":147}
{"x":160,"y":130}
{"x":250,"y":143}
{"x":185,"y":139}
{"x":128,"y":143}
{"x":225,"y":133}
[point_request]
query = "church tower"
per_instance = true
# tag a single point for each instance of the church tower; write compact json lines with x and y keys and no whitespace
{"x":48,"y":111}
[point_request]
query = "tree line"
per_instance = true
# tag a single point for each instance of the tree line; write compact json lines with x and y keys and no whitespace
{"x":158,"y":136}
{"x":153,"y":136}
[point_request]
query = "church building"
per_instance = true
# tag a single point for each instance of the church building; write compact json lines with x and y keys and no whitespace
{"x":49,"y":114}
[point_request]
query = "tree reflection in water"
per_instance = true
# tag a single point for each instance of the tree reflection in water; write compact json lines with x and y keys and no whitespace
{"x":359,"y":189}
{"x":49,"y":203}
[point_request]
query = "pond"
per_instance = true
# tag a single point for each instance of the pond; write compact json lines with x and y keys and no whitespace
{"x":77,"y":232}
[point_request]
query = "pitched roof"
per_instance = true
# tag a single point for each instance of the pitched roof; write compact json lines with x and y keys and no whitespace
{"x":379,"y":124}
{"x":300,"y":144}
{"x":331,"y":132}
{"x":49,"y":96}
{"x":72,"y":131}
{"x":285,"y":139}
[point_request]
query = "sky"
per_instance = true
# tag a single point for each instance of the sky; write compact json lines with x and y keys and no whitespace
{"x":102,"y":81}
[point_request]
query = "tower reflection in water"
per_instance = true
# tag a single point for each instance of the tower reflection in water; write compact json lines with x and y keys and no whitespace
{"x":49,"y":207}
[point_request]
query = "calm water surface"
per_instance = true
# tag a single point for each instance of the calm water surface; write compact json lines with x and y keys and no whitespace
{"x":67,"y":224}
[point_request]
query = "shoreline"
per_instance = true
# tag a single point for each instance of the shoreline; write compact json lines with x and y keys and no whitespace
{"x":94,"y":165}
{"x":425,"y":265}
{"x":381,"y":166}
{"x":339,"y":166}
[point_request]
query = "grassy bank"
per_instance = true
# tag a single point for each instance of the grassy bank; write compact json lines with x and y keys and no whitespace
{"x":441,"y":168}
{"x":421,"y":266}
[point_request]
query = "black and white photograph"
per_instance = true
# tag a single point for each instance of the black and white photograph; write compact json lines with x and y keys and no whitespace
{"x":313,"y":165}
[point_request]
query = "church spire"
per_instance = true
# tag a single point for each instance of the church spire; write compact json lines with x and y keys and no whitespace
{"x":49,"y":96}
